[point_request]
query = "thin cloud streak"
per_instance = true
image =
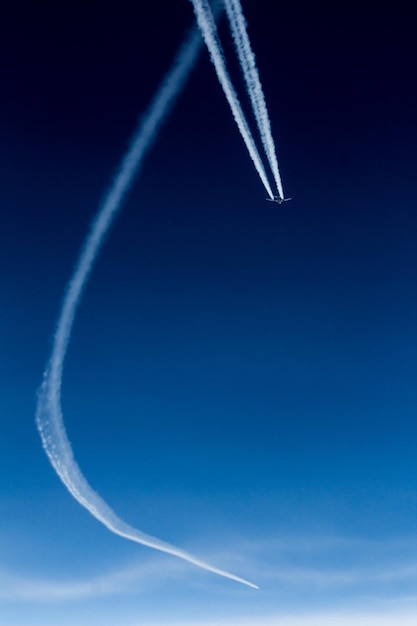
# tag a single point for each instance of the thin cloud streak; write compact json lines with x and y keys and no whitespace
{"x":208,"y":29}
{"x":355,"y":561}
{"x":253,"y":85}
{"x":339,"y":577}
{"x":155,"y":573}
{"x":132,"y":579}
{"x":321,"y":619}
{"x":49,"y":417}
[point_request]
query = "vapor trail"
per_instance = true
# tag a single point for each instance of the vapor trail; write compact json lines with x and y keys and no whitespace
{"x":253,"y":84}
{"x":49,"y":418}
{"x":208,"y":29}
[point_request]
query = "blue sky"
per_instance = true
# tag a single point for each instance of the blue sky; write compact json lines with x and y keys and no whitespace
{"x":241,"y":377}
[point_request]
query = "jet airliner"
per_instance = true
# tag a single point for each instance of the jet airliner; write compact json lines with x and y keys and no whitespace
{"x":278,"y":199}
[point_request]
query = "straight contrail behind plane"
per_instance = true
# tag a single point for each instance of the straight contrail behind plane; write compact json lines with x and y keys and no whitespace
{"x":208,"y":29}
{"x":49,"y":418}
{"x":253,"y":84}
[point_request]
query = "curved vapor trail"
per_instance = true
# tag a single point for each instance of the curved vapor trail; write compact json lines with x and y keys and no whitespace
{"x":208,"y":29}
{"x":49,"y":418}
{"x":253,"y":84}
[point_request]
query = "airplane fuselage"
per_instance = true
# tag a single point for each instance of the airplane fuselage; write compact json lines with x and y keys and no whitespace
{"x":278,"y":199}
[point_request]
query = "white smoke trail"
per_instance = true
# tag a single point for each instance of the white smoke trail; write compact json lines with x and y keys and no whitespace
{"x":208,"y":29}
{"x":253,"y":84}
{"x":49,"y":418}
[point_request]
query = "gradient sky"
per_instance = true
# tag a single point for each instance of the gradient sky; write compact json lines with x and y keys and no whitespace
{"x":241,"y":376}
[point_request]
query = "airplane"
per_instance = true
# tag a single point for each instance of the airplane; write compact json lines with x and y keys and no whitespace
{"x":278,"y":199}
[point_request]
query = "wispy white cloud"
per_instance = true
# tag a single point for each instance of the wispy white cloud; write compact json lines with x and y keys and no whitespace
{"x":335,"y":577}
{"x":130,"y":579}
{"x":326,"y":619}
{"x":299,"y":563}
{"x":309,"y":543}
{"x":49,"y":417}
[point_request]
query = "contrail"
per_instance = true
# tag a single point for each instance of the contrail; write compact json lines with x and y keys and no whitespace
{"x":208,"y":29}
{"x":253,"y":84}
{"x":49,"y":418}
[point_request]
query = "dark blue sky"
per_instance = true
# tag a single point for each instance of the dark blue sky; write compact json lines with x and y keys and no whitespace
{"x":238,"y":373}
